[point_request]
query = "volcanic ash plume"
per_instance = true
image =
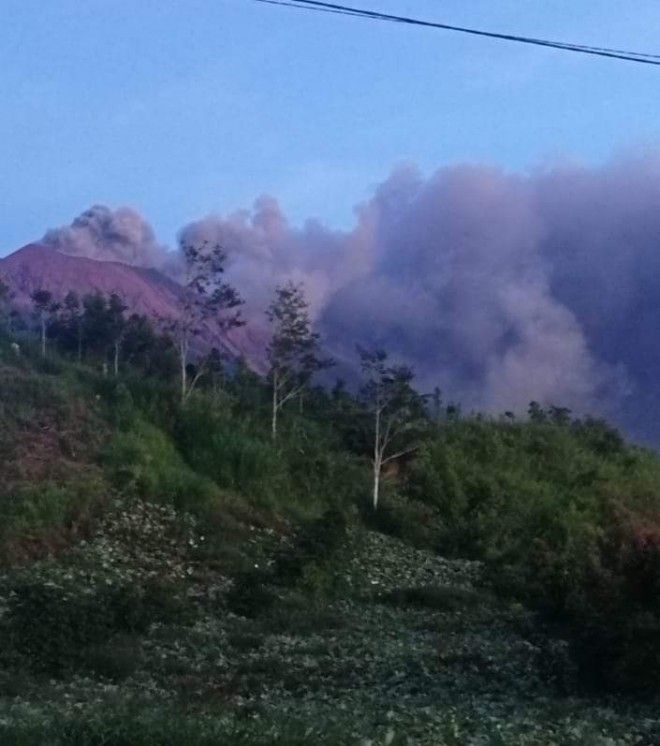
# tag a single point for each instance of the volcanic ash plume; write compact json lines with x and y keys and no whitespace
{"x":120,"y":235}
{"x":493,"y":286}
{"x":263,"y":250}
{"x":499,"y":288}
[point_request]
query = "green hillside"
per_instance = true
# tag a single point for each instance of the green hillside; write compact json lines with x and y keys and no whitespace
{"x":171,"y":574}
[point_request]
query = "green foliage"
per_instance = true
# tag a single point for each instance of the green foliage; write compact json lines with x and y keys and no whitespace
{"x":228,"y":451}
{"x":128,"y":727}
{"x":566,"y":516}
{"x":143,"y":461}
{"x":53,"y":625}
{"x":410,"y":520}
{"x":440,"y":598}
{"x":315,"y":545}
{"x":115,"y":659}
{"x":32,"y":509}
{"x":304,"y":470}
{"x":306,"y":564}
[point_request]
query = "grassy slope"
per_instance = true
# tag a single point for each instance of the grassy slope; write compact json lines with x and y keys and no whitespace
{"x":387,"y":642}
{"x":454,"y":666}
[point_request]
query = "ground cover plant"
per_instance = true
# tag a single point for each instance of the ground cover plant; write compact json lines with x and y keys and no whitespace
{"x":171,"y":573}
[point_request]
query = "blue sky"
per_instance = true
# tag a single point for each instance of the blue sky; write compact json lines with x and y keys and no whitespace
{"x":181,"y":109}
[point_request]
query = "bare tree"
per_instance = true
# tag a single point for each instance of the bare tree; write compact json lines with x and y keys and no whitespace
{"x":395,"y":409}
{"x":117,"y":326}
{"x":293,"y":352}
{"x":44,"y":307}
{"x":205,"y":301}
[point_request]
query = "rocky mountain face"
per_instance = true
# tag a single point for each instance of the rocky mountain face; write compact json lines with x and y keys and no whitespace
{"x":144,"y":291}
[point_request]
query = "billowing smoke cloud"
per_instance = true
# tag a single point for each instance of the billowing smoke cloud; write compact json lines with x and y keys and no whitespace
{"x":447,"y":273}
{"x":460,"y":288}
{"x":500,"y":288}
{"x":263,"y":250}
{"x":120,"y":235}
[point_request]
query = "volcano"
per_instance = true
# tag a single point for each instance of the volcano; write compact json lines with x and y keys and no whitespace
{"x":35,"y":266}
{"x":146,"y":292}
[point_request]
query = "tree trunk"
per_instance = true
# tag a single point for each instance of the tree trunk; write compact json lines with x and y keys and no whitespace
{"x":116,"y":359}
{"x":273,"y":423}
{"x":43,"y":337}
{"x":79,"y":344}
{"x":376,"y":483}
{"x":378,"y":455}
{"x":184,"y":372}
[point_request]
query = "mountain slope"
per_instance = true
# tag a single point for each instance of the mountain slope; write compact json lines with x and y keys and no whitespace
{"x":145,"y":291}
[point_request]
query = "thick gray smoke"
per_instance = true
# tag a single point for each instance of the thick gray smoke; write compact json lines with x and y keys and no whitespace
{"x":263,"y":250}
{"x":121,"y":235}
{"x":459,"y":287}
{"x":500,"y":288}
{"x":447,"y":273}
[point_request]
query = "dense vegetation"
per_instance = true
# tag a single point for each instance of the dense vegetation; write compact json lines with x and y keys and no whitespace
{"x":173,"y":573}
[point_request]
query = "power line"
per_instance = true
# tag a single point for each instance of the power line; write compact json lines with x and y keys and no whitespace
{"x":346,"y":10}
{"x":326,"y":7}
{"x":293,"y":4}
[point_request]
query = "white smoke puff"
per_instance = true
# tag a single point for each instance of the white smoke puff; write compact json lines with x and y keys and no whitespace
{"x":100,"y":233}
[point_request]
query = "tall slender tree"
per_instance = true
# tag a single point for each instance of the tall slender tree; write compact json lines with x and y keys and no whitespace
{"x":117,"y":327}
{"x":395,"y":412}
{"x":205,"y":301}
{"x":293,"y":352}
{"x":44,"y":307}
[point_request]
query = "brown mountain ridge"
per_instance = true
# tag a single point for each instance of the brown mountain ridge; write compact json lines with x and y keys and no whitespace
{"x":144,"y":291}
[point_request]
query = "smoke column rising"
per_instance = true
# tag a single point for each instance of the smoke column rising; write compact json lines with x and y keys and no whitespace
{"x":121,"y":235}
{"x":498,"y":287}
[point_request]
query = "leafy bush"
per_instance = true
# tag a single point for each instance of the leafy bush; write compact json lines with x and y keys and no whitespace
{"x":413,"y":521}
{"x":54,"y":625}
{"x":35,"y":520}
{"x":166,"y":728}
{"x":303,"y":471}
{"x":116,"y":659}
{"x":36,"y":508}
{"x":615,"y":611}
{"x":541,"y":503}
{"x":439,"y":598}
{"x":307,"y":563}
{"x":143,"y":461}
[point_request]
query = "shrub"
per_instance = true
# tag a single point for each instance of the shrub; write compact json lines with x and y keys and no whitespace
{"x":251,"y":593}
{"x":438,"y":598}
{"x":55,"y":624}
{"x":541,"y":504}
{"x":143,"y":461}
{"x":410,"y":520}
{"x":307,"y":563}
{"x":116,"y":659}
{"x":303,"y":471}
{"x":45,"y":517}
{"x":615,"y":611}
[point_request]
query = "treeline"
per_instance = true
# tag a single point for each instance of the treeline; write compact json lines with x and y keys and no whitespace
{"x":564,"y":513}
{"x":97,"y":329}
